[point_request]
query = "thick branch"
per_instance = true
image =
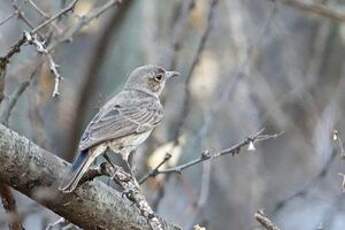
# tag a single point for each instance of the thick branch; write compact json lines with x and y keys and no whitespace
{"x":36,"y":173}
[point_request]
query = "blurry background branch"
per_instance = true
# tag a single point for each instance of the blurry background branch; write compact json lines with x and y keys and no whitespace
{"x":316,"y":8}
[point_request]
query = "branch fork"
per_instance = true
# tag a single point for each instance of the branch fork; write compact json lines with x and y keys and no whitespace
{"x":131,"y":188}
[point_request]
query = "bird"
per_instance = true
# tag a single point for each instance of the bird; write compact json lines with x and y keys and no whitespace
{"x":123,"y":122}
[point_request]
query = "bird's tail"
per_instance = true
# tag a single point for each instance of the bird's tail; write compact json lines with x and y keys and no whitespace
{"x":79,"y":167}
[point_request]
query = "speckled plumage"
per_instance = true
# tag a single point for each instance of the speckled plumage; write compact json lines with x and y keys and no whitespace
{"x":124,"y":122}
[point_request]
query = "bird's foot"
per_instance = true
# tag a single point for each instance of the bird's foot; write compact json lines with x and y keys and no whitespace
{"x":129,"y":194}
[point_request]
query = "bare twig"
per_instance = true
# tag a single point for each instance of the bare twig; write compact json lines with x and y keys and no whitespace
{"x":20,"y":14}
{"x":9,"y":105}
{"x":9,"y":204}
{"x":155,"y":171}
{"x":235,"y":149}
{"x":40,"y":48}
{"x":83,"y":21}
{"x":37,"y":8}
{"x":265,"y":221}
{"x":4,"y":60}
{"x":6,"y":19}
{"x":67,"y":9}
{"x":42,"y":13}
{"x":180,"y":23}
{"x":316,"y":8}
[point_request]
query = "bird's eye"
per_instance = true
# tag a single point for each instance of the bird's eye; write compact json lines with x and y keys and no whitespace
{"x":158,"y":77}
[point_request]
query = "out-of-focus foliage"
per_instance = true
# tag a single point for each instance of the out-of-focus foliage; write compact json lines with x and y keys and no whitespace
{"x":264,"y":65}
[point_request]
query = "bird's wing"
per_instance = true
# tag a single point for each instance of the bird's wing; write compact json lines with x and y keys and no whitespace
{"x":121,"y":119}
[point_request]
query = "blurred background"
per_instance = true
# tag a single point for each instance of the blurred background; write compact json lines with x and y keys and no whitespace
{"x":263,"y":64}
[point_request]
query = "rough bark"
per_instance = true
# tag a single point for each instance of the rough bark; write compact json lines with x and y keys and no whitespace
{"x":36,"y":173}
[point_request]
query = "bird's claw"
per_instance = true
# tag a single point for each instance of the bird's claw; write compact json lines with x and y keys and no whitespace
{"x":129,"y":194}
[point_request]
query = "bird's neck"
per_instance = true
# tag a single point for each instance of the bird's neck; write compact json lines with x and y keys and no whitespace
{"x":147,"y":92}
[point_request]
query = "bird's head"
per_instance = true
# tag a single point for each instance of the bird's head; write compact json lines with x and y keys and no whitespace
{"x":149,"y":78}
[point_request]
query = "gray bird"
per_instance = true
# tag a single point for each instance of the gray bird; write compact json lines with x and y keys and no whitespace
{"x":124,"y":122}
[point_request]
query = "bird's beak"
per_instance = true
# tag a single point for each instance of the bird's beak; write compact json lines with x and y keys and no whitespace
{"x":171,"y":74}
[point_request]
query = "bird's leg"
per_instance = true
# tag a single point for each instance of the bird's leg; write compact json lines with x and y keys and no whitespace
{"x":129,"y":162}
{"x":107,"y":158}
{"x":129,"y":168}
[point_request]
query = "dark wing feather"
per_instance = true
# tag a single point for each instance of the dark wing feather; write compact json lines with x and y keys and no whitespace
{"x":122,"y":119}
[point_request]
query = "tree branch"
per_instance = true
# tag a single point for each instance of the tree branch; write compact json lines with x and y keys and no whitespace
{"x":206,"y":155}
{"x":316,"y":8}
{"x":11,"y":102}
{"x":36,"y":173}
{"x":265,"y":221}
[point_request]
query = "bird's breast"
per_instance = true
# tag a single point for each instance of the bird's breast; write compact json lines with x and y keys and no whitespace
{"x":128,"y":142}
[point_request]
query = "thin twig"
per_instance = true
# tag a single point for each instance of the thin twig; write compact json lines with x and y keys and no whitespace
{"x":6,"y":19}
{"x":37,"y":8}
{"x":265,"y":221}
{"x":155,"y":171}
{"x":316,"y":8}
{"x":20,"y":14}
{"x":41,"y":12}
{"x":9,"y":105}
{"x":180,"y":24}
{"x":83,"y":21}
{"x":70,"y":7}
{"x":206,"y":155}
{"x":4,"y":60}
{"x":41,"y":48}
